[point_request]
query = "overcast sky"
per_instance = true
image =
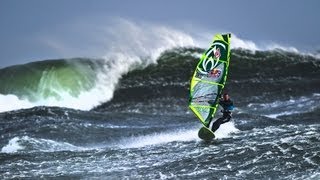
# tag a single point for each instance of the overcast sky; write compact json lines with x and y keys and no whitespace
{"x":27,"y":26}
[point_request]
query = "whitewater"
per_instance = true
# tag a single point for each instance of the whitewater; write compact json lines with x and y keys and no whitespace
{"x":125,"y":115}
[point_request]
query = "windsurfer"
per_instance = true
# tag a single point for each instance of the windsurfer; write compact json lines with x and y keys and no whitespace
{"x":227,"y":104}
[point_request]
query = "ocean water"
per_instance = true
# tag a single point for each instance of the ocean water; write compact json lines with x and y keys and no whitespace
{"x":88,"y":118}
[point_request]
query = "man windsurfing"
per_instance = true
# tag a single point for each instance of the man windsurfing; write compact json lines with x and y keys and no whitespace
{"x":207,"y":82}
{"x":227,"y":104}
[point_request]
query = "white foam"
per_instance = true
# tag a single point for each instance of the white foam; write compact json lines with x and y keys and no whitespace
{"x":12,"y":102}
{"x":276,"y":115}
{"x":274,"y":46}
{"x":13,"y":146}
{"x":225,"y":130}
{"x":85,"y":101}
{"x":179,"y":135}
{"x":315,"y":175}
{"x":287,"y":107}
{"x":236,"y":42}
{"x":159,"y":138}
{"x":38,"y":144}
{"x":287,"y":139}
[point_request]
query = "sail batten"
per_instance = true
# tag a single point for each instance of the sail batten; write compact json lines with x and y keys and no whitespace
{"x":209,"y":78}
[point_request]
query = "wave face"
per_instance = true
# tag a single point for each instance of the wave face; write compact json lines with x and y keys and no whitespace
{"x":64,"y":82}
{"x":45,"y":79}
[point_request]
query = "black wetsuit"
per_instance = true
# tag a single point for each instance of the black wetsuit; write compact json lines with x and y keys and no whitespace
{"x":227,"y":106}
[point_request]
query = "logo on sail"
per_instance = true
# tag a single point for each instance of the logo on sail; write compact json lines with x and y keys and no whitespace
{"x":215,"y":73}
{"x":217,"y":53}
{"x":211,"y":60}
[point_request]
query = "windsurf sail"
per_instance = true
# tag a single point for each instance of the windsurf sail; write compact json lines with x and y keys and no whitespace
{"x":209,"y":78}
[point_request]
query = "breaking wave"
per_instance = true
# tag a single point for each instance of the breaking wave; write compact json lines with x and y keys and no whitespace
{"x":134,"y":59}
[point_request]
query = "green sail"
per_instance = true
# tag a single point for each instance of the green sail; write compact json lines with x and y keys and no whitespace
{"x":209,"y":78}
